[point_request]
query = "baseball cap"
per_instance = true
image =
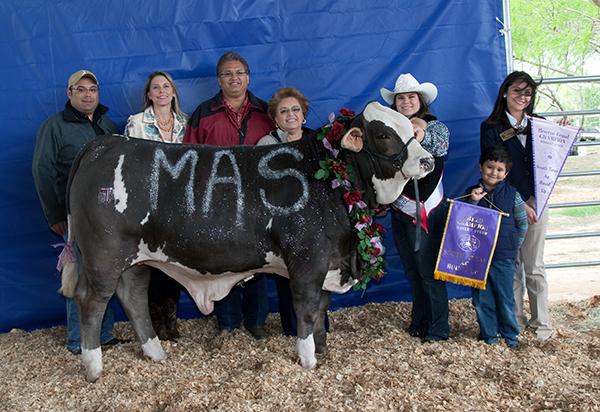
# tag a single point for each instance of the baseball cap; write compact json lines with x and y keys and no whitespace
{"x":80,"y":74}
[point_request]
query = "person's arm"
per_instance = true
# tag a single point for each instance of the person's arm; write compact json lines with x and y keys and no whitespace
{"x":128,"y":132}
{"x":44,"y":172}
{"x":520,"y":217}
{"x":437,"y":138}
{"x":267,"y":139}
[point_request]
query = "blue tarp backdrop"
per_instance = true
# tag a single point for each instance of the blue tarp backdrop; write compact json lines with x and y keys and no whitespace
{"x":338,"y":53}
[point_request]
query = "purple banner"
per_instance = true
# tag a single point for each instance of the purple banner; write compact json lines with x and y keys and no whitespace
{"x":468,"y":244}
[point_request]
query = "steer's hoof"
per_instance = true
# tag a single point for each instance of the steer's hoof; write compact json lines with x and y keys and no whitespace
{"x":93,"y":376}
{"x":308,"y":363}
{"x":92,"y":362}
{"x":153,"y":349}
{"x":321,"y":348}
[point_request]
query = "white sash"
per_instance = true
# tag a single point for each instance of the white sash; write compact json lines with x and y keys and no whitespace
{"x":409,"y":206}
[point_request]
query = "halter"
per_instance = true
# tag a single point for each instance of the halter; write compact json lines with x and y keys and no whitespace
{"x":397,"y":160}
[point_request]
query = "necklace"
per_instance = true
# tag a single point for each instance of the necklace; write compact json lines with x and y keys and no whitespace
{"x":165,"y":125}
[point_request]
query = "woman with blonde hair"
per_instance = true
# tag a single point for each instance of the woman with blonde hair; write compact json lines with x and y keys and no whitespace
{"x":162,"y":121}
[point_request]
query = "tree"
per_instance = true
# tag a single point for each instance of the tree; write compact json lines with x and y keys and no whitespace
{"x":557,"y":38}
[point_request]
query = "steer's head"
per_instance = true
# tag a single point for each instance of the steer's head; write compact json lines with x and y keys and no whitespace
{"x":384,"y":153}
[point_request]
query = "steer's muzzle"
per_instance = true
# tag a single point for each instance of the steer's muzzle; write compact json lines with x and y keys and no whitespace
{"x":427,"y":164}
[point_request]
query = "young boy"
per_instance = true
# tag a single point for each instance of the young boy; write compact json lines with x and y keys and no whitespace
{"x":495,"y":306}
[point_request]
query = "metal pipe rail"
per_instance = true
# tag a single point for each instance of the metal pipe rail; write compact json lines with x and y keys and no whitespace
{"x":587,"y":143}
{"x":569,"y":113}
{"x":574,"y":204}
{"x":570,"y":79}
{"x":571,"y":235}
{"x":580,"y":173}
{"x":571,"y":264}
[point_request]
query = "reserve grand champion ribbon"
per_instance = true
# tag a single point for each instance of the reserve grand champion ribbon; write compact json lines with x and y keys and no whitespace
{"x":468,"y":244}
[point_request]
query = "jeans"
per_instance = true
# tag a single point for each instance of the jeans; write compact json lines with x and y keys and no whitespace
{"x":495,"y":306}
{"x":73,"y":333}
{"x":248,"y":302}
{"x":429,"y":315}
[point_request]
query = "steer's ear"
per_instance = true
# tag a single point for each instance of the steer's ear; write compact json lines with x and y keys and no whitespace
{"x":353,"y":140}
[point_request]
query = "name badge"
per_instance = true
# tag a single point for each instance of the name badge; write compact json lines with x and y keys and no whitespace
{"x":507,"y":134}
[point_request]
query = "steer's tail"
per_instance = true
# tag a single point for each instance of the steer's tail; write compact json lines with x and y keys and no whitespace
{"x":67,"y":261}
{"x":68,"y":279}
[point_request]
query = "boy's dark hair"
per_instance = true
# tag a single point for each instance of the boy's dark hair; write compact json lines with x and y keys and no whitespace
{"x":496,"y":154}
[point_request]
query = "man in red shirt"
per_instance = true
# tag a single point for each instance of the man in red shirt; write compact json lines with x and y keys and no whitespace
{"x":235,"y":117}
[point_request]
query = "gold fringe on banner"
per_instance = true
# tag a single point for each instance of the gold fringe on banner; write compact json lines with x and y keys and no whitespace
{"x":459,"y":280}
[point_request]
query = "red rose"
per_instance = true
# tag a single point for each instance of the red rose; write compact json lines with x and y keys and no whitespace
{"x":377,"y":227}
{"x":336,"y":132}
{"x":376,"y":251}
{"x":344,"y":111}
{"x":352,"y":198}
{"x":379,"y":275}
{"x":338,"y":168}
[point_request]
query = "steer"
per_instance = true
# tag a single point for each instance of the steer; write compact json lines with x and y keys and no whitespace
{"x":210,"y":217}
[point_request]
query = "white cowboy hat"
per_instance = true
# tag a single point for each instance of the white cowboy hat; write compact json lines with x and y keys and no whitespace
{"x":407,"y":83}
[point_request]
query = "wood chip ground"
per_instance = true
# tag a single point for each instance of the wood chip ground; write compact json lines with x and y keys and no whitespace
{"x":372,"y":365}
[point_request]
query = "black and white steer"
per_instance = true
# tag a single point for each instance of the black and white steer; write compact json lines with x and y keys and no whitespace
{"x":210,"y":217}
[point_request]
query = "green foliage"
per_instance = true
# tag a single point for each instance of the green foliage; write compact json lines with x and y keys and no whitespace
{"x":555,"y":35}
{"x":585,"y":211}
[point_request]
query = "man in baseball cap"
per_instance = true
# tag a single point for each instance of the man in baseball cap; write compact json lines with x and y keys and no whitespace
{"x":59,"y":139}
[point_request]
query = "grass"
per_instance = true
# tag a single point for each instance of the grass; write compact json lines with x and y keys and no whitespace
{"x":585,"y":211}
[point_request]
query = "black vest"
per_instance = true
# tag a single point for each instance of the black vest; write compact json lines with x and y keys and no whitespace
{"x":503,"y":196}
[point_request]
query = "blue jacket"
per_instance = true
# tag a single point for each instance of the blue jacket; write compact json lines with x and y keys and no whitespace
{"x":503,"y":196}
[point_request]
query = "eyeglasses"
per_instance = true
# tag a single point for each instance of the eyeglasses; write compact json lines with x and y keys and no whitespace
{"x":84,"y":90}
{"x":230,"y":74}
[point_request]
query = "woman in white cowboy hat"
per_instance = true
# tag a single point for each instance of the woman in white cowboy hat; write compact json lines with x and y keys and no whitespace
{"x":429,"y":317}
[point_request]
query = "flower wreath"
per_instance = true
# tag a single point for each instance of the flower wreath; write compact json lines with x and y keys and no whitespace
{"x":370,"y":249}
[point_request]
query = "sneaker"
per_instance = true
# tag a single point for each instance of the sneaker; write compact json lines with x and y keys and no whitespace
{"x":544,"y":336}
{"x":74,"y":351}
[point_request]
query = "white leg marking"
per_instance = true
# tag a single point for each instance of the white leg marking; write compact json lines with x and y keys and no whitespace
{"x":153,"y":349}
{"x":92,"y":361}
{"x":119,"y":189}
{"x":306,"y":352}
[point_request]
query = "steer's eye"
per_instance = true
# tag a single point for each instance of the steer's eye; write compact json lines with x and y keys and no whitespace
{"x":382,"y":136}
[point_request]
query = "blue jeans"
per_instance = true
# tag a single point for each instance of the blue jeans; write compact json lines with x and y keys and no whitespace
{"x":495,"y":306}
{"x":429,"y":315}
{"x":248,"y":303}
{"x":73,"y":333}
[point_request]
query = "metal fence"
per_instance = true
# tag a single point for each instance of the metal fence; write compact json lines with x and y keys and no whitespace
{"x":580,"y":143}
